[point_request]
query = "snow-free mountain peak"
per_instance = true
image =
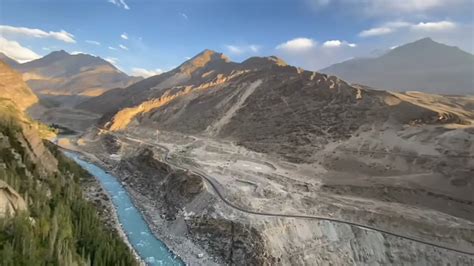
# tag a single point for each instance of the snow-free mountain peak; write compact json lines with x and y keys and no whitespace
{"x":424,"y":65}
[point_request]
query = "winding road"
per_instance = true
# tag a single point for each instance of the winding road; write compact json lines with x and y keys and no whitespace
{"x":218,"y":189}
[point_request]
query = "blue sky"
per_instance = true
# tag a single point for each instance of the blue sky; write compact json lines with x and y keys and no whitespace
{"x":145,"y":36}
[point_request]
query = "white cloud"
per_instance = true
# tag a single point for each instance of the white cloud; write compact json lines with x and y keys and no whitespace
{"x":435,"y":26}
{"x":397,"y":24}
{"x":411,"y":5}
{"x":81,"y":52}
{"x":93,"y":42}
{"x":124,"y":36}
{"x":62,"y":35}
{"x":307,"y":53}
{"x":119,"y":3}
{"x":254,"y":48}
{"x":234,"y":49}
{"x":15,"y":51}
{"x":112,"y":60}
{"x":243,"y":49}
{"x":333,"y":43}
{"x":392,"y":7}
{"x":112,"y":48}
{"x":297,"y":45}
{"x":337,"y":43}
{"x":375,"y":32}
{"x":136,"y":71}
{"x":123,"y":47}
{"x":391,"y":27}
{"x":184,"y":16}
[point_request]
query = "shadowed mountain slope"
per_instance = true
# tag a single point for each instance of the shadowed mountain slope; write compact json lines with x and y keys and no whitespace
{"x":424,"y":65}
{"x":9,"y":61}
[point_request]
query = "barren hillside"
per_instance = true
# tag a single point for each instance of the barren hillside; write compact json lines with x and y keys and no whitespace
{"x":275,"y":139}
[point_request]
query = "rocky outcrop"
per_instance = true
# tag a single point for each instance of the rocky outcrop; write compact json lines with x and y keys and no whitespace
{"x":111,"y":144}
{"x":173,"y":189}
{"x":11,"y":203}
{"x":233,"y":242}
{"x":24,"y":137}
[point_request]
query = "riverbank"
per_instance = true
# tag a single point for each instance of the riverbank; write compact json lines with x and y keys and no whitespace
{"x":138,"y":232}
{"x":174,"y":237}
{"x":95,"y":193}
{"x":172,"y":234}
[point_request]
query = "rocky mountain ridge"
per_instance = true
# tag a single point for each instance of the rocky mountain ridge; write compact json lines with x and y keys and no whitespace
{"x":206,"y":67}
{"x":214,"y":97}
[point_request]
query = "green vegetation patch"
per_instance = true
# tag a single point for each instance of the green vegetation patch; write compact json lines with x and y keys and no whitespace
{"x":60,"y":227}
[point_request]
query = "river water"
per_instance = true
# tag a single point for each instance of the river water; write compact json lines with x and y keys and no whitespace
{"x":150,"y":248}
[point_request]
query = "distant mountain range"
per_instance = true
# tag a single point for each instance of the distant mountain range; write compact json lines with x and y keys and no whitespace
{"x":424,"y":65}
{"x":61,"y":73}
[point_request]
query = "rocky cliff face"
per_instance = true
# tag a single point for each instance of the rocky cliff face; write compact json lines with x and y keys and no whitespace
{"x":11,"y":203}
{"x":173,"y":189}
{"x":13,"y":87}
